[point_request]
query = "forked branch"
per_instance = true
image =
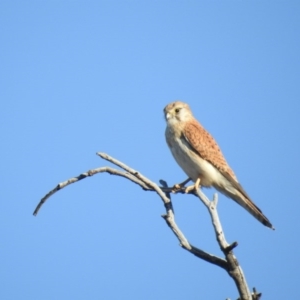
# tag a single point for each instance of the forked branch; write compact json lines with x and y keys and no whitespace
{"x":229,"y":263}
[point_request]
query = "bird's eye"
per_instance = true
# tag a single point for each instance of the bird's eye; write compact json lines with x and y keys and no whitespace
{"x":177,"y":110}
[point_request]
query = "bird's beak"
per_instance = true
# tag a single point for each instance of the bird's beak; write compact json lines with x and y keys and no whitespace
{"x":168,"y":116}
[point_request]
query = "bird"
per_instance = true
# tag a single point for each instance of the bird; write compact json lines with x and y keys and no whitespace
{"x":200,"y":157}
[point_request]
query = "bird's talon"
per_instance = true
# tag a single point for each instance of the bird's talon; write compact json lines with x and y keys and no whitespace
{"x":177,"y":186}
{"x":189,"y":188}
{"x":193,"y":187}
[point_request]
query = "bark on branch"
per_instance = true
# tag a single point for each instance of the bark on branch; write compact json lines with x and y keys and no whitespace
{"x":229,"y":263}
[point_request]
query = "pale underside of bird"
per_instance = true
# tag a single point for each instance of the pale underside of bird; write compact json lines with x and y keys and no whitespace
{"x":200,"y":157}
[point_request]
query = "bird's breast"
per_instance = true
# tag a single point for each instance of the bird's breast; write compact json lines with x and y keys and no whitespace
{"x":192,"y":164}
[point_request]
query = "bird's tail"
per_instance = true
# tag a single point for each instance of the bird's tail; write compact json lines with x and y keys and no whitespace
{"x":253,"y":209}
{"x":239,"y":196}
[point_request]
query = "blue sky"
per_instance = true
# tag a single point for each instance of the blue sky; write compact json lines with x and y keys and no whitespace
{"x":79,"y":77}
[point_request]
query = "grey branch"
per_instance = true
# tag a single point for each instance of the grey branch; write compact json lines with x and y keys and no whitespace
{"x":229,"y":263}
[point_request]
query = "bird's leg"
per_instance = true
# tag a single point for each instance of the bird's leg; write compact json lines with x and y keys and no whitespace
{"x":178,"y":186}
{"x":195,"y":186}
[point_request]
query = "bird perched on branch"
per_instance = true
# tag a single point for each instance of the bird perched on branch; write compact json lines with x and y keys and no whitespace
{"x":200,"y":157}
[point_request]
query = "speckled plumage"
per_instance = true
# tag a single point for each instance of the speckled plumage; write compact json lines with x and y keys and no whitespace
{"x":199,"y":155}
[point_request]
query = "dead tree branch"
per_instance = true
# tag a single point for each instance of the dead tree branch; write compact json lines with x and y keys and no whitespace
{"x":229,"y":263}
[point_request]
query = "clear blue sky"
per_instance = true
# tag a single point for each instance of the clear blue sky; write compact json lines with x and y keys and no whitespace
{"x":79,"y":77}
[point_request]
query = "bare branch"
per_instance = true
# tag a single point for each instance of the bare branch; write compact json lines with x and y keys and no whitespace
{"x":230,"y":263}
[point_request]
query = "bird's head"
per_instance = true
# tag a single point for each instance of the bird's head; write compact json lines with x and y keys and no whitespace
{"x":177,"y":112}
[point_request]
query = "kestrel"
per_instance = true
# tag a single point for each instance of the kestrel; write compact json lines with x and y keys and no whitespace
{"x":200,"y":157}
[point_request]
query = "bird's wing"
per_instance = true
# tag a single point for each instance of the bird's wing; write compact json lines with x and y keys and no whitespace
{"x":204,"y":145}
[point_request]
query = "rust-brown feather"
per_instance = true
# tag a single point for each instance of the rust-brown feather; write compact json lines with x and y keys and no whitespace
{"x":204,"y":144}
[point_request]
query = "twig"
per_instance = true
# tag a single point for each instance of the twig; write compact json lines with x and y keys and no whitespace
{"x":85,"y":175}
